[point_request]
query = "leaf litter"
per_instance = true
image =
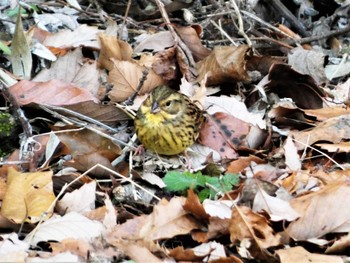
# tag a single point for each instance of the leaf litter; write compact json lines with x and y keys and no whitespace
{"x":267,"y":179}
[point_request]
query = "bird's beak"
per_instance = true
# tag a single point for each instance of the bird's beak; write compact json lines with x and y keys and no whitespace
{"x":155,"y":107}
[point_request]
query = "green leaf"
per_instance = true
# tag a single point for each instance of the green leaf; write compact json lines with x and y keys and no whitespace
{"x":4,"y":48}
{"x":177,"y":181}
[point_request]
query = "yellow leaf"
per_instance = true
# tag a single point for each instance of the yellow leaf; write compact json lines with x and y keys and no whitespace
{"x":28,"y":196}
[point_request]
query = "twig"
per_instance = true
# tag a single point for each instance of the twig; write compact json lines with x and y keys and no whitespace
{"x":83,"y":125}
{"x":240,"y":23}
{"x":181,"y":48}
{"x":223,"y":32}
{"x":324,"y":154}
{"x":319,"y":37}
{"x":130,"y":101}
{"x":284,"y":11}
{"x":262,"y":22}
{"x":27,"y":145}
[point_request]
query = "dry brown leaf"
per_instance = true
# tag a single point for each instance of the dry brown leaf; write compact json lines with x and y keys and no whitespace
{"x":288,"y":83}
{"x":155,"y":42}
{"x":137,"y":252}
{"x":28,"y":196}
{"x":224,"y":64}
{"x":322,"y":212}
{"x":191,"y":39}
{"x":83,"y":36}
{"x":301,"y":255}
{"x":333,"y":130}
{"x":342,"y":147}
{"x":309,"y":62}
{"x":242,"y":162}
{"x":194,"y":206}
{"x":165,"y":63}
{"x":168,"y":219}
{"x":217,"y":227}
{"x":181,"y":254}
{"x":125,"y":77}
{"x":78,"y":247}
{"x":52,"y":92}
{"x":224,"y":133}
{"x":327,"y":113}
{"x":63,"y":69}
{"x":246,"y":224}
{"x":107,"y":114}
{"x":339,"y":245}
{"x":89,"y":148}
{"x":112,"y":47}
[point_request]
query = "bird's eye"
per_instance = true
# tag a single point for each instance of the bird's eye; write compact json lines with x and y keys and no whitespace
{"x":168,"y":103}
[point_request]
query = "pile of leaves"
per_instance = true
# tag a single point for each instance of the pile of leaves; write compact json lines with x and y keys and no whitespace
{"x":267,"y":179}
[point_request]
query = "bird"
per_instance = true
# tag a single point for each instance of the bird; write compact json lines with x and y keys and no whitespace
{"x":168,"y":122}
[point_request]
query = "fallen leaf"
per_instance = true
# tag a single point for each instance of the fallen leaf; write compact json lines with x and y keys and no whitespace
{"x":246,"y":224}
{"x":80,"y":200}
{"x":301,"y":255}
{"x":28,"y":196}
{"x":322,"y":212}
{"x":333,"y":130}
{"x":112,"y":47}
{"x":60,"y":228}
{"x":21,"y":57}
{"x":125,"y":77}
{"x":291,"y":154}
{"x":224,"y":133}
{"x":288,"y":83}
{"x":277,"y":208}
{"x":309,"y":62}
{"x":224,"y":64}
{"x":52,"y":92}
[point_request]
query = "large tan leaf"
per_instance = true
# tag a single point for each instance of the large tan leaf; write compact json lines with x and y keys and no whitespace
{"x":28,"y":196}
{"x":125,"y":77}
{"x":68,"y":226}
{"x":322,"y":212}
{"x":332,"y":130}
{"x":52,"y":92}
{"x":224,"y":64}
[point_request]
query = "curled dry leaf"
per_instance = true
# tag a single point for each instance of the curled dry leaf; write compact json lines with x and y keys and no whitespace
{"x":125,"y":77}
{"x":224,"y":64}
{"x":190,"y":37}
{"x":288,"y":83}
{"x":112,"y":47}
{"x":245,"y":224}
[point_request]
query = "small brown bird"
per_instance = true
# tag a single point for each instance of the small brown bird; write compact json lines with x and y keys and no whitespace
{"x":168,"y":122}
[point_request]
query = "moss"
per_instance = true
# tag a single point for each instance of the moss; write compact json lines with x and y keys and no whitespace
{"x":7,"y":124}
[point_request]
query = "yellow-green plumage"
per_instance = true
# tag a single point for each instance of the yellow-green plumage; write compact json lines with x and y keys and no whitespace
{"x":167,"y":122}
